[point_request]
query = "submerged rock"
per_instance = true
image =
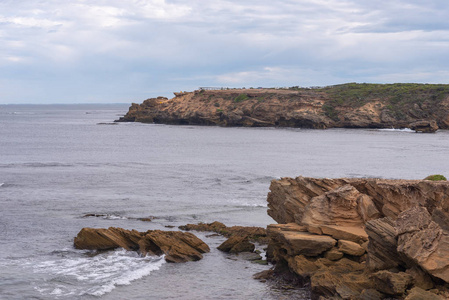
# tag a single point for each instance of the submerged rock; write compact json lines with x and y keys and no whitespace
{"x":175,"y":245}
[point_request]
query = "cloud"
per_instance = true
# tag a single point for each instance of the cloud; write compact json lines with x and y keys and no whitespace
{"x":120,"y":50}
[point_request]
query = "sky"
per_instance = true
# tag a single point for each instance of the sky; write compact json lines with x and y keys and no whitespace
{"x":99,"y":51}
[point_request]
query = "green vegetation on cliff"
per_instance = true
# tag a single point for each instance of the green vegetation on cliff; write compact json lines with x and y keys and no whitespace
{"x":400,"y":98}
{"x":350,"y":105}
{"x":436,"y":177}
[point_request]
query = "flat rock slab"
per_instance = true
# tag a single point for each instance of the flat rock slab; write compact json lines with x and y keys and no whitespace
{"x":349,"y":233}
{"x":297,"y":242}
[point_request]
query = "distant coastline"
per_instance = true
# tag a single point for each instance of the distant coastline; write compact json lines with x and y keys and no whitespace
{"x":351,"y":105}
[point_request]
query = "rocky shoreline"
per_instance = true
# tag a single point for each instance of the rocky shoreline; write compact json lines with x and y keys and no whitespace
{"x":346,"y":238}
{"x":422,"y":107}
{"x":362,"y":238}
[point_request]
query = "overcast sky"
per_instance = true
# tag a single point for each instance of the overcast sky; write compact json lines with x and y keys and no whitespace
{"x":77,"y":51}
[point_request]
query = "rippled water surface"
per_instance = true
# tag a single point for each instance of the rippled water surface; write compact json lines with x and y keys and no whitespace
{"x":57,"y":164}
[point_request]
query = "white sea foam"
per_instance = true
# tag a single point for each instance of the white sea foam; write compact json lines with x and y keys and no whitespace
{"x":397,"y":129}
{"x":1,"y":184}
{"x":94,"y":275}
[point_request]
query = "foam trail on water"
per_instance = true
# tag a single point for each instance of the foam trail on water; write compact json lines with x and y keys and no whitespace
{"x":97,"y":275}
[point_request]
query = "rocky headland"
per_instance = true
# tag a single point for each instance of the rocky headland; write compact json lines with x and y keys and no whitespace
{"x":422,"y":107}
{"x":362,"y":238}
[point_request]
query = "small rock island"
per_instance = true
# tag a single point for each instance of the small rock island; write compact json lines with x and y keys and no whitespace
{"x":422,"y":107}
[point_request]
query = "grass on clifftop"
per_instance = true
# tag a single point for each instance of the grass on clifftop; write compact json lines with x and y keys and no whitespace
{"x":436,"y":177}
{"x":399,"y":98}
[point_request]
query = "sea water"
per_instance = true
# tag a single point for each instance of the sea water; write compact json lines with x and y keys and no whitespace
{"x":60,"y":165}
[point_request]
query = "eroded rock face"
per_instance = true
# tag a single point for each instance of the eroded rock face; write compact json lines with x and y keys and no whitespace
{"x":393,"y":232}
{"x":423,"y":241}
{"x":177,"y":246}
{"x":424,"y":126}
{"x":306,"y":108}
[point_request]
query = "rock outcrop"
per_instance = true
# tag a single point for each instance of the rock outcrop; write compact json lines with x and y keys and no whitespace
{"x":254,"y":234}
{"x":177,"y":246}
{"x":342,"y":106}
{"x":362,"y":238}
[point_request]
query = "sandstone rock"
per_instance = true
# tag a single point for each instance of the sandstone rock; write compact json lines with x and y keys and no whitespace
{"x":294,"y":243}
{"x":424,"y":126}
{"x":237,"y":244}
{"x":420,"y":278}
{"x":288,"y":197}
{"x":354,"y":234}
{"x":371,"y":294}
{"x":304,"y":266}
{"x":392,"y":283}
{"x":306,"y":108}
{"x":350,"y":248}
{"x":338,"y":207}
{"x":255,"y":234}
{"x":382,"y":253}
{"x":424,"y":242}
{"x":177,"y":246}
{"x":333,"y":254}
{"x":343,"y":279}
{"x":417,"y":293}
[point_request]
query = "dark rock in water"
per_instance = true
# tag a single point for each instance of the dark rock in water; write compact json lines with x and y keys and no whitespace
{"x":249,"y":256}
{"x":237,"y":244}
{"x":176,"y":245}
{"x":254,"y":234}
{"x":264,"y":275}
{"x":424,"y":126}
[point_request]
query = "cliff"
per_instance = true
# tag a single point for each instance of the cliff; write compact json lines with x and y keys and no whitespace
{"x":362,"y":238}
{"x":341,"y":106}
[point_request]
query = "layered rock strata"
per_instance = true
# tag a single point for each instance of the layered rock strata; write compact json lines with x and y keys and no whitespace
{"x":423,"y":107}
{"x":177,"y":246}
{"x":362,"y":238}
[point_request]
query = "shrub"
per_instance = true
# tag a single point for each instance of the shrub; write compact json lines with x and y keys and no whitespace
{"x":216,"y":104}
{"x":240,"y":98}
{"x":436,"y":177}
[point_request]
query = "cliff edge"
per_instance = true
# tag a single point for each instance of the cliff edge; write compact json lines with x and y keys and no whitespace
{"x":424,"y":107}
{"x":362,"y":238}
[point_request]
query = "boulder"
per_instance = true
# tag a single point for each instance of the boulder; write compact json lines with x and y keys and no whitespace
{"x":344,"y":279}
{"x":391,"y":283}
{"x":424,"y":242}
{"x":350,"y":248}
{"x":292,"y":243}
{"x":175,"y":245}
{"x":371,"y":294}
{"x":424,"y":126}
{"x":255,"y":234}
{"x":417,"y":293}
{"x":333,"y":254}
{"x":237,"y":244}
{"x":354,"y":234}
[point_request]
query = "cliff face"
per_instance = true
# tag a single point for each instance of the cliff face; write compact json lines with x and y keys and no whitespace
{"x":343,"y":106}
{"x":362,"y":238}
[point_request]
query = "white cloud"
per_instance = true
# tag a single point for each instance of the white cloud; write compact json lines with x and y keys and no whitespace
{"x":245,"y":42}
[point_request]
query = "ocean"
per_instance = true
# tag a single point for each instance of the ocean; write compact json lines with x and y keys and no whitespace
{"x":60,"y":163}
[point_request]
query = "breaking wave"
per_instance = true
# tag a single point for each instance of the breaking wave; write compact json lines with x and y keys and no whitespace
{"x":78,"y":275}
